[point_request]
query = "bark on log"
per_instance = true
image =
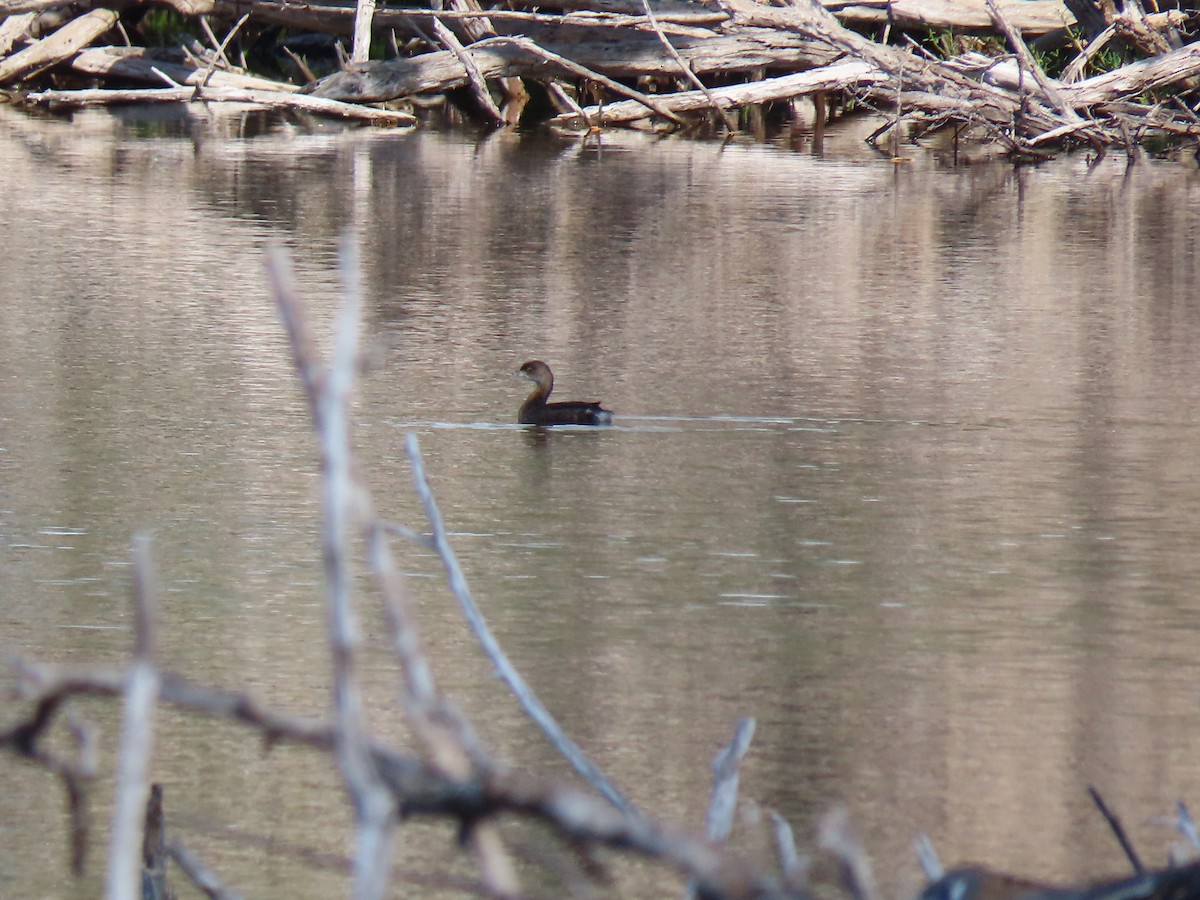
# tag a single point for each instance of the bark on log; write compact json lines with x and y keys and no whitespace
{"x":60,"y":45}
{"x":136,"y":64}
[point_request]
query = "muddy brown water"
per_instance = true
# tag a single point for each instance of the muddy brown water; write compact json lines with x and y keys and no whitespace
{"x":904,"y":465}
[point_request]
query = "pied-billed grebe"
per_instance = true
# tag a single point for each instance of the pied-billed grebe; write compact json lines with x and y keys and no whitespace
{"x":536,"y":411}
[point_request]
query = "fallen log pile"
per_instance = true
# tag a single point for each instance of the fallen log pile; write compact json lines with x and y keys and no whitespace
{"x":661,"y":64}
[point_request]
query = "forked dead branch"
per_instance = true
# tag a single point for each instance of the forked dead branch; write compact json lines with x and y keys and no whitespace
{"x":450,"y":774}
{"x":661,"y":64}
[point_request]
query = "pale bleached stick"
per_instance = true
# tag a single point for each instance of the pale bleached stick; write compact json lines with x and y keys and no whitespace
{"x":927,"y":856}
{"x":726,"y":117}
{"x":504,"y":667}
{"x":474,"y":76}
{"x":364,"y":14}
{"x":123,"y":880}
{"x":220,"y":54}
{"x":54,"y":48}
{"x":201,"y":875}
{"x":445,"y":737}
{"x":785,"y":847}
{"x":329,"y":390}
{"x":580,"y":71}
{"x":181,"y":94}
{"x":725,"y":768}
{"x":836,"y":835}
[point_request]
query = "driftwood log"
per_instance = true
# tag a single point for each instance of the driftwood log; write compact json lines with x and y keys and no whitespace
{"x":663,"y":64}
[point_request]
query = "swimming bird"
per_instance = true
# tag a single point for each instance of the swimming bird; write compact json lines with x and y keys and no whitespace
{"x":536,"y":411}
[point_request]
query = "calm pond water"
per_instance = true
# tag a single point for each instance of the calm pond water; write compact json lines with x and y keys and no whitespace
{"x":905,"y":466}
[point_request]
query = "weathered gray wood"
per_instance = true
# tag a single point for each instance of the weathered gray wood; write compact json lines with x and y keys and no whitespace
{"x":1029,"y":16}
{"x":136,"y":64}
{"x":1137,"y":77}
{"x":846,"y":75}
{"x":636,"y":54}
{"x":1028,"y":63}
{"x":13,"y":29}
{"x":16,"y":7}
{"x":338,"y":18}
{"x":475,"y":78}
{"x":56,"y":47}
{"x":276,"y":99}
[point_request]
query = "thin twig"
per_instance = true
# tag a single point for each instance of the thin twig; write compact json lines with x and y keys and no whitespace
{"x":218,"y":47}
{"x":329,"y":390}
{"x":1118,"y":829}
{"x":725,"y":769}
{"x":1187,"y":825}
{"x":424,"y":791}
{"x":301,"y":65}
{"x":1076,"y":66}
{"x":931,"y":866}
{"x":688,"y":73}
{"x":200,"y":875}
{"x":220,"y":54}
{"x":1027,"y":63}
{"x":785,"y":847}
{"x":584,"y":72}
{"x":154,"y":848}
{"x":723,"y":803}
{"x":137,"y":735}
{"x":525,"y":696}
{"x":836,"y":835}
{"x":409,"y":534}
{"x":559,"y":94}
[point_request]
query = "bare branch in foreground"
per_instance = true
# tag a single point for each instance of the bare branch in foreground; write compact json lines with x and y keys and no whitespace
{"x":421,"y":790}
{"x":347,"y":505}
{"x":154,"y":848}
{"x":504,"y":667}
{"x":794,"y":869}
{"x":688,"y":73}
{"x":141,"y":691}
{"x":459,"y":782}
{"x":330,"y":390}
{"x":725,"y":782}
{"x":474,"y":76}
{"x":836,"y":835}
{"x":723,"y":802}
{"x":199,"y":874}
{"x":1114,"y":822}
